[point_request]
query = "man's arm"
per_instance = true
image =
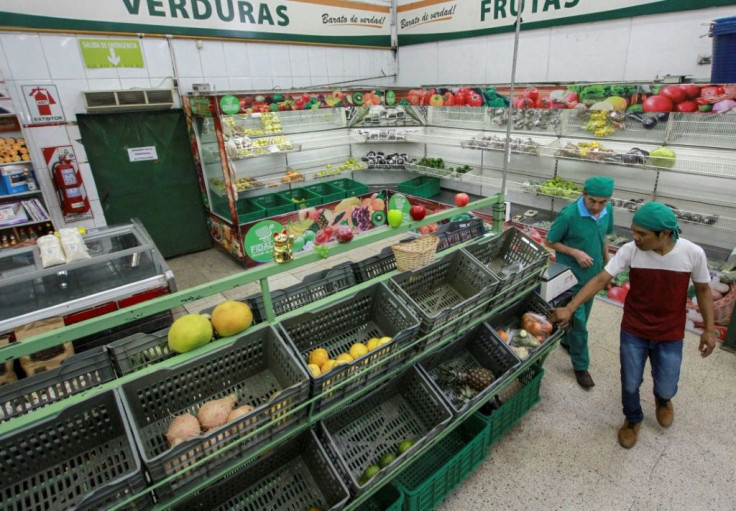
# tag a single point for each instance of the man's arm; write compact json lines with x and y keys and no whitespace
{"x":705,"y":303}
{"x":589,"y":290}
{"x":583,"y":259}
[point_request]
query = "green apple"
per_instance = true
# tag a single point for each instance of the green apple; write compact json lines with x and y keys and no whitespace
{"x":394,"y":217}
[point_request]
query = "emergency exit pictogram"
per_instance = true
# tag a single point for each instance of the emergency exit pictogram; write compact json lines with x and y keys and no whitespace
{"x":43,"y":104}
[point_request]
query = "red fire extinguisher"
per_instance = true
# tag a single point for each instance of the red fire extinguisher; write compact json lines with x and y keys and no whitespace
{"x":44,"y":100}
{"x":69,"y":184}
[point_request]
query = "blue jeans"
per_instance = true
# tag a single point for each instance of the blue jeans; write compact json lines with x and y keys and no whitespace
{"x":665,"y":358}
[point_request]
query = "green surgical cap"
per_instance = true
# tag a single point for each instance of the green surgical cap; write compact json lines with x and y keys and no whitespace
{"x":656,"y":217}
{"x":599,"y":186}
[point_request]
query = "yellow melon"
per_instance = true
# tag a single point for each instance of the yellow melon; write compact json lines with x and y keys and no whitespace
{"x":231,"y":317}
{"x":189,"y":332}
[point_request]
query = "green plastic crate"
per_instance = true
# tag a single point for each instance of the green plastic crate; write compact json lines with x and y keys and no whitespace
{"x":249,"y":211}
{"x":422,"y":186}
{"x":327,"y":192}
{"x":274,"y":204}
{"x":432,"y":477}
{"x":388,"y":498}
{"x":515,"y":403}
{"x":301,"y":197}
{"x":352,"y":188}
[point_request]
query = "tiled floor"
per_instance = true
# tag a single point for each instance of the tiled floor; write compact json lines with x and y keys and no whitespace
{"x":564,"y":454}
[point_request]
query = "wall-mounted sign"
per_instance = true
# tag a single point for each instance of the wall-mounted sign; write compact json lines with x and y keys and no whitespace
{"x":43,"y":104}
{"x":421,"y":21}
{"x":338,"y":22}
{"x":111,"y":53}
{"x":147,"y":153}
{"x":259,"y":240}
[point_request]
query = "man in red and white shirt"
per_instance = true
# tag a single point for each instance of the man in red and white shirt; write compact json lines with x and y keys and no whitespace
{"x":661,"y":265}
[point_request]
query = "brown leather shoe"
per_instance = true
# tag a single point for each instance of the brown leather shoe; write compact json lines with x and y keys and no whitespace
{"x":628,"y":434}
{"x":584,"y":379}
{"x":665,"y":414}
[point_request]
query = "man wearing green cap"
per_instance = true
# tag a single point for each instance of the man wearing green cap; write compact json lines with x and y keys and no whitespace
{"x":579,"y":238}
{"x":661,"y":265}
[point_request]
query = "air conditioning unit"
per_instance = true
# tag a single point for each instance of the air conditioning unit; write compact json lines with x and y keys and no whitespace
{"x":127,"y":100}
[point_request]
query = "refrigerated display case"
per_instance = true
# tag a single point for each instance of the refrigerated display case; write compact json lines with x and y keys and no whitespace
{"x":125,"y":268}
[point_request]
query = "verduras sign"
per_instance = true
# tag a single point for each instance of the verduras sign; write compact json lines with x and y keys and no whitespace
{"x":342,"y":22}
{"x":435,"y":20}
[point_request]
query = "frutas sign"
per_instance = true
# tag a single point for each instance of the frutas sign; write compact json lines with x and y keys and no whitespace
{"x":340,"y":22}
{"x":435,"y":20}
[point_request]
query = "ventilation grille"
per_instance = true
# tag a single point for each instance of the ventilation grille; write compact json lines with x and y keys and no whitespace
{"x":119,"y":100}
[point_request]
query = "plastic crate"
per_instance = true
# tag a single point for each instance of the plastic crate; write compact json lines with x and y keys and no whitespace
{"x":444,"y":290}
{"x":512,"y":404}
{"x":249,"y":211}
{"x":374,"y":266}
{"x":372,"y":312}
{"x":388,"y":498}
{"x":512,"y":257}
{"x":432,"y":476}
{"x":78,"y":373}
{"x":258,"y":368}
{"x":139,"y":350}
{"x":105,"y":337}
{"x":296,"y":475}
{"x":478,"y":348}
{"x":422,"y":186}
{"x":274,"y":204}
{"x":82,"y":457}
{"x":358,"y":434}
{"x":351,"y":187}
{"x":326,"y":192}
{"x":453,"y":233}
{"x":311,"y":288}
{"x":510,"y":318}
{"x":301,"y":197}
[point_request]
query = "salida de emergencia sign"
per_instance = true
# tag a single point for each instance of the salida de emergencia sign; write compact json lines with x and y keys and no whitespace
{"x":111,"y":53}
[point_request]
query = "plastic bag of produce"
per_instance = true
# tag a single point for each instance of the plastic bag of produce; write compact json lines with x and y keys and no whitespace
{"x":73,"y":245}
{"x":49,"y":247}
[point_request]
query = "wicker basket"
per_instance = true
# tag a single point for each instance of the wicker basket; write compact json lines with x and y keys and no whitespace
{"x":416,"y":253}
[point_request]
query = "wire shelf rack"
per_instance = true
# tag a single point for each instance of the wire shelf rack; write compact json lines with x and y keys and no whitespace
{"x":458,"y":117}
{"x":703,"y":130}
{"x":531,"y":120}
{"x":581,"y":124}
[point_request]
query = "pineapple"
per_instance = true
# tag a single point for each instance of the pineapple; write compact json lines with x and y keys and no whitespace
{"x":477,"y":378}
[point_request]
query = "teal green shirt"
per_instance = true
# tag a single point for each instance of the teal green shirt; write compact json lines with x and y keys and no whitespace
{"x":576,"y":228}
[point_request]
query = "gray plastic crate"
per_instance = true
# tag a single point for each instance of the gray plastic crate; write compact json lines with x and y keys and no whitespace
{"x":442,"y":291}
{"x":371,"y":312}
{"x":512,"y":257}
{"x":313,"y":287}
{"x":358,"y":434}
{"x":295,"y":475}
{"x":258,"y":368}
{"x":453,"y":233}
{"x":82,"y":457}
{"x":78,"y":373}
{"x":478,"y":348}
{"x":139,"y":350}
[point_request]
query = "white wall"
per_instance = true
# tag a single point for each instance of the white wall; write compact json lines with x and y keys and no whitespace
{"x":631,"y":49}
{"x":32,"y":58}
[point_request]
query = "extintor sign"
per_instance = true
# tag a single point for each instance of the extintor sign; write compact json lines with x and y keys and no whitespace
{"x":43,"y":104}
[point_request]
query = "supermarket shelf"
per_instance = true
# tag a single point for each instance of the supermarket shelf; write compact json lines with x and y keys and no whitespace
{"x":269,"y":150}
{"x":532,"y":121}
{"x":20,"y":195}
{"x":16,"y":163}
{"x":458,"y":117}
{"x":434,"y":139}
{"x":628,"y":129}
{"x":703,"y":130}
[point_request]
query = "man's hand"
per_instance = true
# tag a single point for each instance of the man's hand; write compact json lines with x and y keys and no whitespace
{"x":707,"y":343}
{"x":583,"y":259}
{"x":561,"y":315}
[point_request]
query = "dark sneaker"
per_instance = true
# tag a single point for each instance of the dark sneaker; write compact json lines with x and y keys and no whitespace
{"x":628,"y":434}
{"x":584,"y":379}
{"x":665,"y":413}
